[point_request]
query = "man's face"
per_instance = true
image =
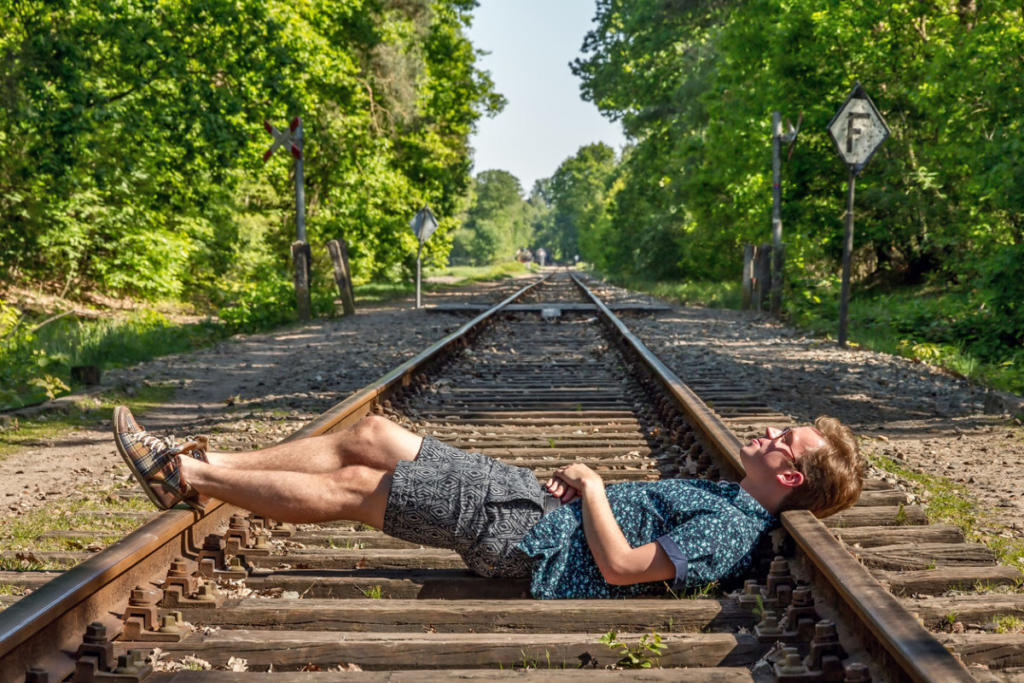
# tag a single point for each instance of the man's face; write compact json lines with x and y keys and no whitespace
{"x":772,"y":456}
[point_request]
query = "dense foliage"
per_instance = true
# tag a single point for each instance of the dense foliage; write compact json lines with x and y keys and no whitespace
{"x":497,"y":223}
{"x":132,"y":136}
{"x":561,"y":211}
{"x":694,"y":85}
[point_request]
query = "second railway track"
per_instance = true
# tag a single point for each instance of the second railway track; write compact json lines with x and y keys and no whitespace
{"x":554,"y":378}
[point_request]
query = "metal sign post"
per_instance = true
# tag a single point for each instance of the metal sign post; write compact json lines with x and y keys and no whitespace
{"x":423,"y":225}
{"x":292,"y":138}
{"x":857,"y":130}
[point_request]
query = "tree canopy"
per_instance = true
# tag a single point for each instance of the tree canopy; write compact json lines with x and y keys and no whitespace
{"x":497,"y":223}
{"x":694,"y":85}
{"x":133,"y":137}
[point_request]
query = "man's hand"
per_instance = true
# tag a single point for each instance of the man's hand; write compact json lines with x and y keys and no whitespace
{"x":573,"y":481}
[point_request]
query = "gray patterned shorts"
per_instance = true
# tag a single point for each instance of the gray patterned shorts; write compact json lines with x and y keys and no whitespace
{"x":467,"y":502}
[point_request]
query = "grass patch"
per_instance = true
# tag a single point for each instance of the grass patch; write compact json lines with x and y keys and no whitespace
{"x":88,"y":411}
{"x":949,"y":502}
{"x":689,"y":293}
{"x":1009,"y":624}
{"x":378,"y":292}
{"x":1010,"y":551}
{"x":945,"y":500}
{"x":372,"y":592}
{"x":74,"y":513}
{"x":38,"y":356}
{"x":946,"y":326}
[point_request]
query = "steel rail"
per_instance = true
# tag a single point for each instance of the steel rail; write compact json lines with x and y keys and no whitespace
{"x":916,"y":651}
{"x":63,"y":607}
{"x":700,"y":416}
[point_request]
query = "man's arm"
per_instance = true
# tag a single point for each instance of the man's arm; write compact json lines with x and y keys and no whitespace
{"x":620,"y":564}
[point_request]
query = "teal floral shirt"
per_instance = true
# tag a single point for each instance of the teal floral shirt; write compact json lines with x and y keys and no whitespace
{"x":708,"y":529}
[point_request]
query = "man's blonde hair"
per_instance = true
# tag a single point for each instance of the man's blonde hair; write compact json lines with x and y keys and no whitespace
{"x":833,"y":474}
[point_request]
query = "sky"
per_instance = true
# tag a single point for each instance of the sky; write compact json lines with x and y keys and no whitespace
{"x":531,"y":43}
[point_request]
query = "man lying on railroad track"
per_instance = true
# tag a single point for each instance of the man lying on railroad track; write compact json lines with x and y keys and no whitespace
{"x":572,"y":537}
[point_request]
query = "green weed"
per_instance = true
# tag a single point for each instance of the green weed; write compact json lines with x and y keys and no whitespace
{"x":1010,"y":551}
{"x":641,"y":655}
{"x":372,"y":592}
{"x":1009,"y":624}
{"x":901,"y":515}
{"x":694,"y":593}
{"x":946,"y":501}
{"x":25,"y":533}
{"x":526,"y":662}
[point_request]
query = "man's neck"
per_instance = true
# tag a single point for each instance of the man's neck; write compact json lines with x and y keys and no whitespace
{"x":770,"y":498}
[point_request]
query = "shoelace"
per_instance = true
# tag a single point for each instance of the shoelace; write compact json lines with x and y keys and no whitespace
{"x":162,"y":444}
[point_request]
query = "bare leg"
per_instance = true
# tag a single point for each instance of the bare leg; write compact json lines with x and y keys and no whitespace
{"x":373,"y":441}
{"x":354,"y":492}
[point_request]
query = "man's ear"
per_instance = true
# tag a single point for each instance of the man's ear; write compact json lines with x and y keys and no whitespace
{"x":790,"y":478}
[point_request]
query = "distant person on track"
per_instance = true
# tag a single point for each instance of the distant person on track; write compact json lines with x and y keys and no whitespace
{"x":572,"y":537}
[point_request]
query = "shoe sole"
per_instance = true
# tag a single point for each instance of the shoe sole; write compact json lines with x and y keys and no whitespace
{"x":146,"y":487}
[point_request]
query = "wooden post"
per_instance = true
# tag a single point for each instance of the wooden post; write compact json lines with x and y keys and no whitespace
{"x":348,"y":270}
{"x":763,"y":273}
{"x":778,"y":262}
{"x":747,"y":284}
{"x":301,"y":259}
{"x":339,"y":257}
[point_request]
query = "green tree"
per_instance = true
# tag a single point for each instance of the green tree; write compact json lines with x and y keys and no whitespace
{"x":497,"y":222}
{"x":133,"y":134}
{"x":694,"y":85}
{"x":577,"y":196}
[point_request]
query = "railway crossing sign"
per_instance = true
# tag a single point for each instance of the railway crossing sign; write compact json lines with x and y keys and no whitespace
{"x":291,"y":138}
{"x":857,"y":129}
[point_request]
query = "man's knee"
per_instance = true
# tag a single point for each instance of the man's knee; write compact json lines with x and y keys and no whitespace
{"x":370,"y":433}
{"x":378,"y":442}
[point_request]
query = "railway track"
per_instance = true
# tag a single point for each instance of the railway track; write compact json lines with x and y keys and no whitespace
{"x":550,"y":375}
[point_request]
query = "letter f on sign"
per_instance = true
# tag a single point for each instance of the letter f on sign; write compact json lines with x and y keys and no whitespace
{"x":851,"y":130}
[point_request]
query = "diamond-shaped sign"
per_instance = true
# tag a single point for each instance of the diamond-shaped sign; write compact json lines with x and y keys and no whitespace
{"x":423,"y":224}
{"x":857,"y":129}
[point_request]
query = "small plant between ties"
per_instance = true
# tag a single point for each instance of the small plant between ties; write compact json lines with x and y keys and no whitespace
{"x":642,"y":655}
{"x":372,"y":592}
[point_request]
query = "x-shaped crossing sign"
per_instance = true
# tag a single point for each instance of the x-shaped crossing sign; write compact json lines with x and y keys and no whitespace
{"x":292,"y":138}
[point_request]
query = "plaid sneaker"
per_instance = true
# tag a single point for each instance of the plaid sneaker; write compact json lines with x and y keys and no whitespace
{"x":155,"y":461}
